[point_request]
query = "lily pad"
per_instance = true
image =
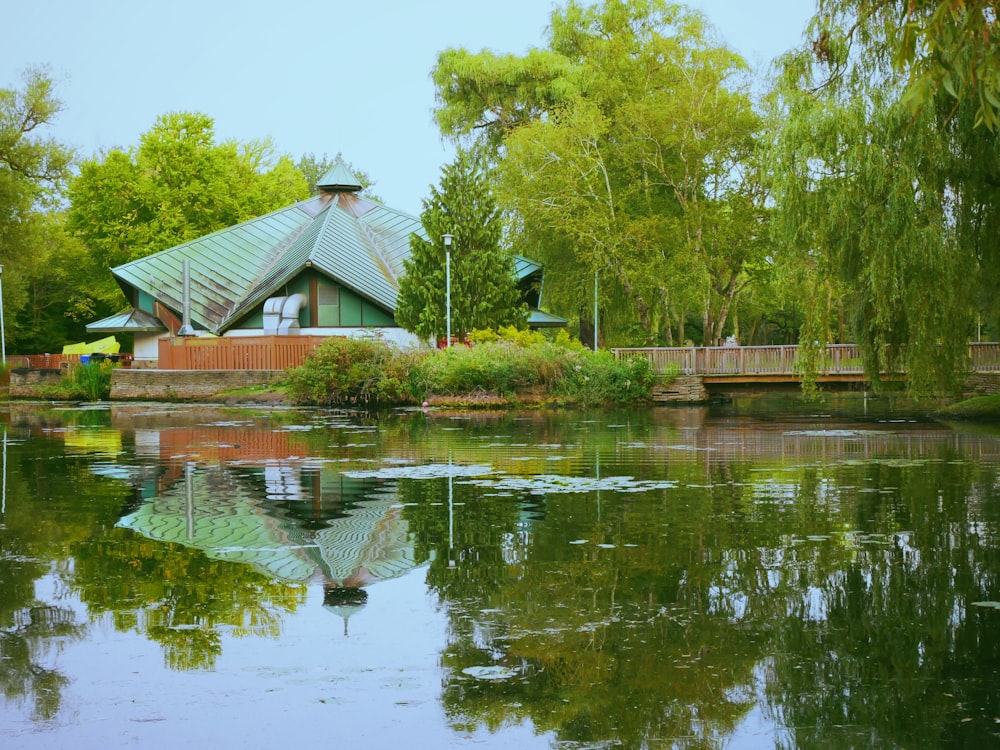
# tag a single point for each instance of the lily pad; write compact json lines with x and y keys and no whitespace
{"x":423,"y":471}
{"x":493,"y":672}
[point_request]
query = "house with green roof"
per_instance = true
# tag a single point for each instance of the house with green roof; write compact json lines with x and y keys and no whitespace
{"x":326,"y":266}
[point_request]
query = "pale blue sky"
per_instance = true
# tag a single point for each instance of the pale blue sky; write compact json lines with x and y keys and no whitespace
{"x":320,"y":76}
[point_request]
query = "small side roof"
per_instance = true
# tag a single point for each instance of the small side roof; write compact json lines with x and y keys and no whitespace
{"x":541,"y":319}
{"x":127,"y":321}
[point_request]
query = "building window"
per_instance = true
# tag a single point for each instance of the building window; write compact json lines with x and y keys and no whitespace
{"x":328,"y":303}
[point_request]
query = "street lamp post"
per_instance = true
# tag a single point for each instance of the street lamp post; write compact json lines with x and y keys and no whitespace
{"x":595,"y":309}
{"x":447,"y":284}
{"x":3,"y":338}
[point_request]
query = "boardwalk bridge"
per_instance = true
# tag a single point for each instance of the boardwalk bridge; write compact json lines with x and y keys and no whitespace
{"x":711,"y":370}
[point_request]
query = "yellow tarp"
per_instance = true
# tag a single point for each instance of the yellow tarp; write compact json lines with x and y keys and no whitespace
{"x":107,"y":345}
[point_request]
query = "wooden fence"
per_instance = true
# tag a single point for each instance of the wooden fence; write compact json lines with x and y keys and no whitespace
{"x":235,"y":353}
{"x":840,"y":359}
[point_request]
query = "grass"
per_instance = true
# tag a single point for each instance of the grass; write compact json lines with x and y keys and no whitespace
{"x":978,"y":408}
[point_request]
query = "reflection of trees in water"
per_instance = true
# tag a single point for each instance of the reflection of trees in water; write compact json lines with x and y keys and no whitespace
{"x":27,"y":637}
{"x":179,"y":597}
{"x":796,"y":572}
{"x":45,"y":515}
{"x":880,"y":644}
{"x":608,"y":644}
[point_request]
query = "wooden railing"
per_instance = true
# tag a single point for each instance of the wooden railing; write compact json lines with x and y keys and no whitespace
{"x":840,"y":359}
{"x":235,"y":353}
{"x":41,"y":361}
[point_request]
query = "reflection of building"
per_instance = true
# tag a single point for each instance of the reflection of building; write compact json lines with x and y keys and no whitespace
{"x":229,"y":516}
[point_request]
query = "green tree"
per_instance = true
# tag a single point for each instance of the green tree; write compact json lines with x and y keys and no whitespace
{"x":484,"y":290}
{"x":33,"y":168}
{"x":943,"y":48}
{"x":631,"y":157}
{"x":63,"y":289}
{"x":899,"y":206}
{"x":178,"y":184}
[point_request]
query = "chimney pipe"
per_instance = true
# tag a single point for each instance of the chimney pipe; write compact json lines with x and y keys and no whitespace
{"x":186,"y":328}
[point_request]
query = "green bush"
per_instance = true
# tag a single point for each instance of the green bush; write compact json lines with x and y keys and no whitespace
{"x":499,"y":367}
{"x":514,"y":361}
{"x":345,"y":371}
{"x":599,"y":377}
{"x":93,"y":380}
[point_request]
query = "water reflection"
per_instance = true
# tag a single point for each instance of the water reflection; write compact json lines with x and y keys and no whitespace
{"x":667,"y":578}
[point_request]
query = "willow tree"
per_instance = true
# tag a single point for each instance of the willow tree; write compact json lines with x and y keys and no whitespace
{"x":623,"y":150}
{"x":483,"y":286}
{"x":897,"y":204}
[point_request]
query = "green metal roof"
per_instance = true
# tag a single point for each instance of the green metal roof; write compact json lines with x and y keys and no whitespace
{"x":339,"y":178}
{"x":541,"y":319}
{"x":127,"y":321}
{"x":523,"y":267}
{"x":359,"y":243}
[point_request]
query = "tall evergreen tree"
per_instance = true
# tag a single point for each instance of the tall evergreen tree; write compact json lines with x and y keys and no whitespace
{"x":484,"y":291}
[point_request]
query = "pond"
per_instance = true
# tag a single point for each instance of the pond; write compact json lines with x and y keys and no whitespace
{"x":665,"y":577}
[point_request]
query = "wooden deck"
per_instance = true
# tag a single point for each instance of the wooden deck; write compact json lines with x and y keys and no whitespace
{"x":777,"y":364}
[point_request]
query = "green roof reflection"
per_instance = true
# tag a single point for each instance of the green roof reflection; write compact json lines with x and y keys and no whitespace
{"x":370,"y":542}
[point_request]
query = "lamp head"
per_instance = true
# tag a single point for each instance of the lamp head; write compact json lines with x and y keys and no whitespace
{"x":447,"y":240}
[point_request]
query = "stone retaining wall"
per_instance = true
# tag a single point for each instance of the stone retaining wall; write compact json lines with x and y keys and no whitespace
{"x":983,"y":384}
{"x":24,"y":382}
{"x":185,"y":385}
{"x":683,"y":388}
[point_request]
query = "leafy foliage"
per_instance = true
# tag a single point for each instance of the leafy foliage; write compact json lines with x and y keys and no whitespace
{"x":888,"y":204}
{"x":627,"y":152}
{"x":944,"y":48}
{"x":484,"y":290}
{"x":179,"y":184}
{"x":508,"y":364}
{"x":347,"y":371}
{"x":33,"y":169}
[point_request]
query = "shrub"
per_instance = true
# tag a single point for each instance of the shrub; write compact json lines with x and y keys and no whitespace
{"x":348,"y":371}
{"x":503,"y":364}
{"x":84,"y":382}
{"x":93,"y":380}
{"x":500,"y":367}
{"x":599,"y":377}
{"x":512,"y":361}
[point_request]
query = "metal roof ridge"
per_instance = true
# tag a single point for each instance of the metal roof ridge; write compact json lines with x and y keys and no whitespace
{"x":223,"y":230}
{"x":254,"y":292}
{"x":381,"y":256}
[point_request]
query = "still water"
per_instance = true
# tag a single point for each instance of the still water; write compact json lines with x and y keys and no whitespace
{"x":610,"y":579}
